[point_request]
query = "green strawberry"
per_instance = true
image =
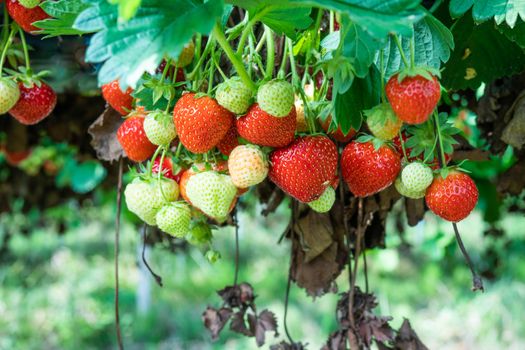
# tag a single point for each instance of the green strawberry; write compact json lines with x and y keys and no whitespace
{"x":234,"y":95}
{"x":382,"y":122}
{"x":406,"y":192}
{"x":276,"y":98}
{"x":212,"y":193}
{"x":144,"y":196}
{"x":416,"y":177}
{"x":29,"y":4}
{"x":9,"y":94}
{"x":174,"y":219}
{"x":200,"y":233}
{"x":325,"y":202}
{"x":159,"y":128}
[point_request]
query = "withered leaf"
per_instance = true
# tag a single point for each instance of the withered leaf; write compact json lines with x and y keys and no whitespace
{"x":214,"y":320}
{"x":238,"y":324}
{"x":235,"y":296}
{"x":415,"y":210}
{"x":316,"y":231}
{"x":336,"y":341}
{"x":266,"y":322}
{"x":407,"y":338}
{"x":104,"y":134}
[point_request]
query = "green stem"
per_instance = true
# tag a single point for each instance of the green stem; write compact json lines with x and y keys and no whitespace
{"x":166,"y":69}
{"x":314,"y":39}
{"x":295,"y":76}
{"x":382,"y":69}
{"x":332,"y":21}
{"x":179,"y":149}
{"x":402,"y":142}
{"x":4,"y":51}
{"x":194,"y":73}
{"x":5,"y":28}
{"x":245,"y":34}
{"x":431,"y":154}
{"x":282,"y":69}
{"x":24,"y":47}
{"x":401,"y":52}
{"x":412,"y":52}
{"x":237,"y":63}
{"x":211,"y":72}
{"x":251,"y":46}
{"x":441,"y":150}
{"x":159,"y":174}
{"x":270,"y":53}
{"x":150,"y":166}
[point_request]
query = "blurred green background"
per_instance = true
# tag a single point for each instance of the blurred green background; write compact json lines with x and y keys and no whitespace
{"x":56,"y":291}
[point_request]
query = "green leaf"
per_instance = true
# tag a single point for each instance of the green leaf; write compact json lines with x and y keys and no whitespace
{"x":363,"y":94}
{"x":159,"y":29}
{"x":87,"y":175}
{"x":433,"y":43}
{"x":63,"y":14}
{"x":502,"y":10}
{"x":516,"y":34}
{"x":482,"y":55}
{"x":126,"y":8}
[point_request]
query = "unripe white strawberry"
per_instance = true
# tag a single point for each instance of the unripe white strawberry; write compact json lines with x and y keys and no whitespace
{"x":276,"y":98}
{"x":145,"y":196}
{"x":234,"y":95}
{"x":416,"y":177}
{"x":9,"y":94}
{"x":324,"y":203}
{"x":159,"y":128}
{"x":212,"y":193}
{"x":174,"y":219}
{"x":248,"y":166}
{"x":406,"y":192}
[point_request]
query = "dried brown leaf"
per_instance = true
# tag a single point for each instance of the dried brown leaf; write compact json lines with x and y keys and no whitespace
{"x":104,"y":134}
{"x":214,"y":320}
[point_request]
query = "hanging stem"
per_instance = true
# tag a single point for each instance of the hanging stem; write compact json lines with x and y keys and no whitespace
{"x":24,"y":47}
{"x":289,"y":283}
{"x":158,"y":279}
{"x":5,"y":28}
{"x":332,"y":21}
{"x":236,"y":223}
{"x":295,"y":76}
{"x":382,"y":70}
{"x":116,"y":253}
{"x":7,"y":44}
{"x":270,"y":52}
{"x":234,"y":59}
{"x":402,"y":142}
{"x":412,"y":52}
{"x":150,"y":166}
{"x":477,"y":282}
{"x":438,"y":130}
{"x":211,"y":72}
{"x":282,"y":69}
{"x":401,"y":52}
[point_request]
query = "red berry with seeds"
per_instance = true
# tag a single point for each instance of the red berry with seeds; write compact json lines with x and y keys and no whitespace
{"x":413,"y":98}
{"x":36,"y":102}
{"x":305,"y":168}
{"x":229,"y":141}
{"x":133,"y":139}
{"x":25,"y":16}
{"x":453,"y":197}
{"x":121,"y":101}
{"x":263,"y":129}
{"x":368,"y":170}
{"x":201,"y":122}
{"x":166,"y":169}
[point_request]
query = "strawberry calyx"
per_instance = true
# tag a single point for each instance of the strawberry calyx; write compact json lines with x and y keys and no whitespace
{"x":426,"y":72}
{"x":164,"y":118}
{"x":27,"y":77}
{"x":376,"y":142}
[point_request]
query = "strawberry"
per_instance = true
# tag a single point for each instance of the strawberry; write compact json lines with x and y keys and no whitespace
{"x":324,"y":203}
{"x":14,"y":158}
{"x":406,"y":192}
{"x":382,"y":122}
{"x":212,"y":193}
{"x":247,"y":165}
{"x":119,"y":100}
{"x":413,"y":98}
{"x":25,"y":16}
{"x":416,"y":177}
{"x":368,"y":170}
{"x":133,"y":139}
{"x":234,"y":95}
{"x":200,"y":233}
{"x":37,"y":100}
{"x":200,"y":122}
{"x":167,"y":169}
{"x":262,"y":129}
{"x":159,"y":128}
{"x":305,"y":168}
{"x":220,"y":166}
{"x":174,"y":218}
{"x":29,"y":4}
{"x":452,"y":197}
{"x":145,"y":198}
{"x":338,"y":133}
{"x":9,"y":94}
{"x":229,"y":141}
{"x":276,"y":98}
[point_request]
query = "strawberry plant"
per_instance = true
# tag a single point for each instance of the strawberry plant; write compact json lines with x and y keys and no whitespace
{"x":343,"y":107}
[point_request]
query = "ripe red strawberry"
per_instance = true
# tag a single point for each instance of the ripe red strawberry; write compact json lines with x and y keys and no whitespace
{"x":452,"y":198}
{"x":200,"y":122}
{"x":133,"y":139}
{"x":35,"y":103}
{"x":121,"y":101}
{"x":305,"y":168}
{"x":414,"y":98}
{"x":16,"y":157}
{"x":337,"y":134}
{"x":367,"y":170}
{"x":262,"y":129}
{"x":25,"y":16}
{"x":166,"y":169}
{"x":229,"y":141}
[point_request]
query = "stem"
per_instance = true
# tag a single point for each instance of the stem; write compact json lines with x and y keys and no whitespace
{"x":150,"y":166}
{"x":159,"y":174}
{"x":289,"y":283}
{"x":24,"y":47}
{"x":332,"y":21}
{"x":165,"y":70}
{"x":5,"y":28}
{"x":382,"y":70}
{"x":401,"y":52}
{"x":116,"y":252}
{"x":432,"y":152}
{"x":207,"y":48}
{"x":282,"y":69}
{"x":402,"y":142}
{"x":270,"y":52}
{"x":237,"y":63}
{"x":412,"y":52}
{"x":158,"y":279}
{"x":211,"y":71}
{"x":236,"y":223}
{"x":4,"y":51}
{"x":295,"y":76}
{"x":179,"y":149}
{"x":309,"y":53}
{"x":245,"y":33}
{"x":477,"y":282}
{"x":438,"y":130}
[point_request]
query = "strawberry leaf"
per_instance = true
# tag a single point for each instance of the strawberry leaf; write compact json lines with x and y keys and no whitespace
{"x":63,"y":14}
{"x":501,"y":10}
